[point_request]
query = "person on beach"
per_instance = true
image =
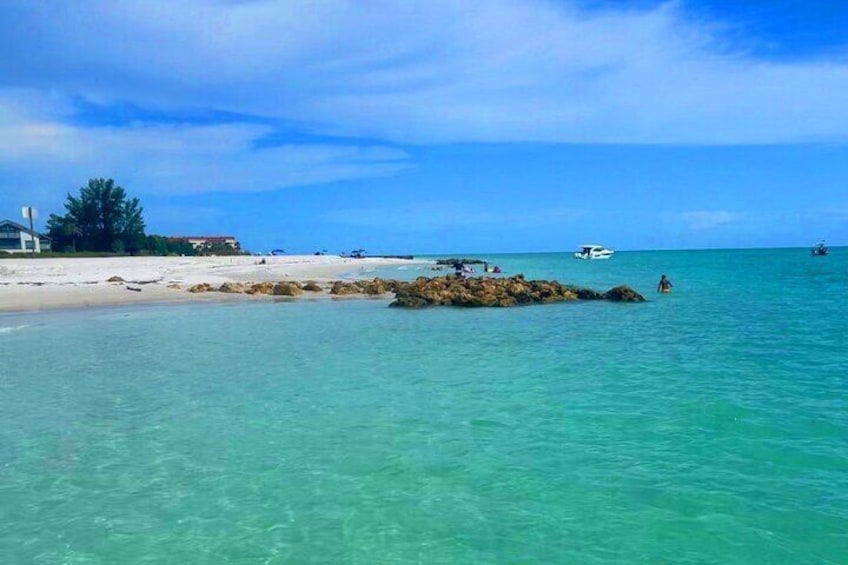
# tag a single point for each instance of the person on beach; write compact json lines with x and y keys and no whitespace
{"x":664,"y":285}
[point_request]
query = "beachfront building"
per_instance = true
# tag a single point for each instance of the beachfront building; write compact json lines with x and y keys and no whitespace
{"x":15,"y":238}
{"x":200,"y":241}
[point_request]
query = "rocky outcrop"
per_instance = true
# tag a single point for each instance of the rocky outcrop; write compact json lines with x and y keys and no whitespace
{"x":287,"y":289}
{"x":374,"y":287}
{"x":442,"y":291}
{"x":479,"y":292}
{"x":232,"y":288}
{"x":202,"y":287}
{"x":586,"y":293}
{"x":341,"y":288}
{"x":312,"y":286}
{"x":261,"y":288}
{"x":115,"y":279}
{"x":623,"y":293}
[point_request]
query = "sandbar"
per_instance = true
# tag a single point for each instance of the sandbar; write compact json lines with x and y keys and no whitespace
{"x":28,"y":284}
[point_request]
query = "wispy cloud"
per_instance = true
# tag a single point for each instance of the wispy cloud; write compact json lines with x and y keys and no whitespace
{"x":45,"y":153}
{"x":431,"y":71}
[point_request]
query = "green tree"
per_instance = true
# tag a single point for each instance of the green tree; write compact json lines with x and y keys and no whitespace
{"x":156,"y":245}
{"x":131,"y":226}
{"x":219,"y":249}
{"x":161,"y":245}
{"x":101,"y":218}
{"x":180,"y":247}
{"x":64,"y":232}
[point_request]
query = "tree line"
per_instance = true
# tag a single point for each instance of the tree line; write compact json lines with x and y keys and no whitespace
{"x":103,"y":219}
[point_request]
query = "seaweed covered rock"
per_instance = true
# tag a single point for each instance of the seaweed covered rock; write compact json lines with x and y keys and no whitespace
{"x":623,"y":293}
{"x":312,"y":286}
{"x":409,"y":301}
{"x":586,"y":293}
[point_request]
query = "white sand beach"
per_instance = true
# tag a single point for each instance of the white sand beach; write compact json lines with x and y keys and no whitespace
{"x":35,"y":284}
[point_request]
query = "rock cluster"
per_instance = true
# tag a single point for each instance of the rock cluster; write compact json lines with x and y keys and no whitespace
{"x":374,"y":287}
{"x":440,"y":291}
{"x":283,"y":288}
{"x":498,"y":292}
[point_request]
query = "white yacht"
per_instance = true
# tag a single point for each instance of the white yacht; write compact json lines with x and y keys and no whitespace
{"x":592,"y":251}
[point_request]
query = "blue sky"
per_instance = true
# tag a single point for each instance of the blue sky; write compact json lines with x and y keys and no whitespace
{"x":437,"y":126}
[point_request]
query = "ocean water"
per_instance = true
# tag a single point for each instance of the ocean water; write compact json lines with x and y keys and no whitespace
{"x":709,"y":425}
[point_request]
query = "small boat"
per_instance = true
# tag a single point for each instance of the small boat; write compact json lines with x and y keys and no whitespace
{"x":819,"y":250}
{"x":592,"y":251}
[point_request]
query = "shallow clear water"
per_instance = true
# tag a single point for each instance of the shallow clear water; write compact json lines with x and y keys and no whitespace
{"x":705,"y":426}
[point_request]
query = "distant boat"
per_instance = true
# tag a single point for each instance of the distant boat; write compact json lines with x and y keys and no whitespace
{"x":819,"y":250}
{"x":593,"y":251}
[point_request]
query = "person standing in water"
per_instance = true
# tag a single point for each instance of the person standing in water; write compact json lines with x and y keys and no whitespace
{"x":664,"y":285}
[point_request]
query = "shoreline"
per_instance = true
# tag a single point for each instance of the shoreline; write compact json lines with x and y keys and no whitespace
{"x":31,"y":285}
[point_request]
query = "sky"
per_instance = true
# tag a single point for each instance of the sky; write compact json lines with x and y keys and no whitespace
{"x":436,"y":126}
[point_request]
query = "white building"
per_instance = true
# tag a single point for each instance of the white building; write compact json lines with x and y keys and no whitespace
{"x":15,"y":238}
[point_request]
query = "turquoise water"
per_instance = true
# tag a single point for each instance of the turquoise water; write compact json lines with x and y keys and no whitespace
{"x":709,"y":425}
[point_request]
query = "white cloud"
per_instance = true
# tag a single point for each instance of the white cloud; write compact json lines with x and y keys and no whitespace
{"x":45,"y":154}
{"x":431,"y":71}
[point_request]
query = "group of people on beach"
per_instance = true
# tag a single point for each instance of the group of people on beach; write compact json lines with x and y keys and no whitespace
{"x":461,"y":269}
